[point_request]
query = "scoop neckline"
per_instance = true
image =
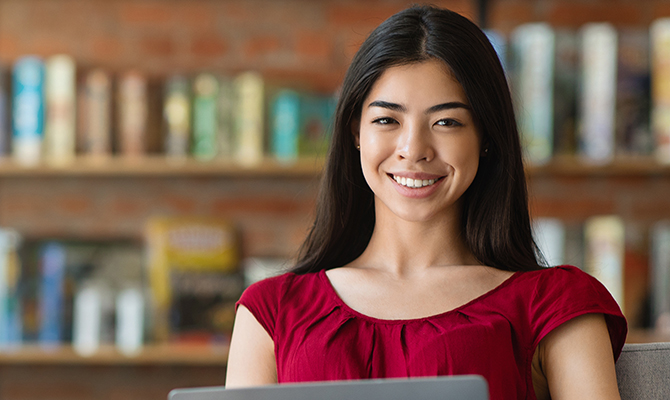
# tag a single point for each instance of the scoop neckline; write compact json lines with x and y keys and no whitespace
{"x":346,"y":307}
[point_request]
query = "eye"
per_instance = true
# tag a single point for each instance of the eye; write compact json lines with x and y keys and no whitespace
{"x":384,"y":121}
{"x":448,"y":122}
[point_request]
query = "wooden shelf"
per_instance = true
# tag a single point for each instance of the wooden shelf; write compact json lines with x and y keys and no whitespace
{"x":159,"y":166}
{"x":167,"y":354}
{"x":619,"y":167}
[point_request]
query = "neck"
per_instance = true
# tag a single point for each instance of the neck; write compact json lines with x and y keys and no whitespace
{"x":402,"y":247}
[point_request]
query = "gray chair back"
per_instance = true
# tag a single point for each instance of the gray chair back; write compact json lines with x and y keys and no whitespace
{"x":643,"y":371}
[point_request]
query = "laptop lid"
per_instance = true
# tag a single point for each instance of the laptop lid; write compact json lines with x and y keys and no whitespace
{"x":463,"y":387}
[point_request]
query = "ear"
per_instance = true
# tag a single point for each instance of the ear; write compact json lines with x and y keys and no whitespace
{"x":356,"y":130}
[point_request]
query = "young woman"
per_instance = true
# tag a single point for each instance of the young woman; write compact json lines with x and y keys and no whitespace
{"x":421,"y":260}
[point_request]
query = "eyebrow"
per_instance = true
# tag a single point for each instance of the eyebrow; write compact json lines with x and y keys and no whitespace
{"x":439,"y":107}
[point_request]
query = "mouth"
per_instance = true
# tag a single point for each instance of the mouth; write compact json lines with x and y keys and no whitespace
{"x":414,"y":183}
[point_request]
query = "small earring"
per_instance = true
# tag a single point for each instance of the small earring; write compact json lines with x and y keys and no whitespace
{"x":358,"y":147}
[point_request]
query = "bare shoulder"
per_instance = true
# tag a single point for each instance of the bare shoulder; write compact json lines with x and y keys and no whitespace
{"x":251,"y":359}
{"x":576,"y":360}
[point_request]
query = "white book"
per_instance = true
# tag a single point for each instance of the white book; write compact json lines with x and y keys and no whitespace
{"x":660,"y":93}
{"x":249,"y":117}
{"x":598,"y":92}
{"x":660,"y":276}
{"x":604,"y":258}
{"x":533,"y":46}
{"x":60,"y":124}
{"x":549,"y":235}
{"x":91,"y":305}
{"x":130,"y":320}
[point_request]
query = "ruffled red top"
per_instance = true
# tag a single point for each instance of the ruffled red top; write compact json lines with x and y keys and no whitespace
{"x":318,"y":337}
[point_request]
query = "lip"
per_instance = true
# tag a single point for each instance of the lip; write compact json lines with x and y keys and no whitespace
{"x":416,"y":193}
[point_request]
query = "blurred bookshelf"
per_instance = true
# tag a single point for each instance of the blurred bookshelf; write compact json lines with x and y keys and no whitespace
{"x":154,"y":354}
{"x":160,"y":166}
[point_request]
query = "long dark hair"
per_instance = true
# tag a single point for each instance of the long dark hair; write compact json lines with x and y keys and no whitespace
{"x":495,"y":219}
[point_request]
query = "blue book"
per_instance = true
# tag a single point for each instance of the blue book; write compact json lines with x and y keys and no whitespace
{"x":28,"y":110}
{"x":316,"y":124}
{"x":286,"y":125}
{"x":52,"y":260}
{"x":5,"y":135}
{"x":11,"y":326}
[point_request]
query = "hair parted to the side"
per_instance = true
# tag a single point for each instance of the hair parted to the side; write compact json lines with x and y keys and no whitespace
{"x":495,"y":218}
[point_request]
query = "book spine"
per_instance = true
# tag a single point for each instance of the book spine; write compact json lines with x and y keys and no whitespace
{"x":130,"y":320}
{"x":565,"y":92}
{"x":598,"y":92}
{"x":660,"y":91}
{"x":51,"y":294}
{"x":132,"y":106}
{"x":10,"y":306}
{"x":5,"y":131}
{"x":28,"y":110}
{"x":633,"y":94}
{"x":285,"y":125}
{"x":549,"y":234}
{"x":177,"y":114}
{"x":96,"y":109}
{"x":205,"y":119}
{"x":227,"y":100}
{"x":249,"y":116}
{"x":316,"y":124}
{"x":605,"y":250}
{"x":60,"y":127}
{"x":87,"y":320}
{"x":660,"y":276}
{"x":534,"y":49}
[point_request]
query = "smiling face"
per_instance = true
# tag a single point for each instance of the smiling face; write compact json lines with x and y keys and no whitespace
{"x":418,"y":142}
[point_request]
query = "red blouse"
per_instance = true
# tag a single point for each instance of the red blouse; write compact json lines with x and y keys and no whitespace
{"x":317,"y":337}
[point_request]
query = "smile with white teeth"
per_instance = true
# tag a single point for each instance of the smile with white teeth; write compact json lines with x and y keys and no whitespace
{"x":413,"y":183}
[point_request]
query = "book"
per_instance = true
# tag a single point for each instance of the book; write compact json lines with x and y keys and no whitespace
{"x":93,"y":306}
{"x":177,"y":115}
{"x":249,"y":118}
{"x":660,"y":91}
{"x":533,"y":48}
{"x":60,"y":124}
{"x":317,"y":113}
{"x":205,"y":119}
{"x":660,"y":276}
{"x":598,"y":92}
{"x":226,"y":121}
{"x":193,"y":271}
{"x":633,"y":95}
{"x":28,"y":110}
{"x":95,"y":115}
{"x":499,"y":44}
{"x":5,"y":129}
{"x":130,"y":319}
{"x":566,"y":81}
{"x":285,"y":125}
{"x":549,"y":235}
{"x":604,"y":256}
{"x":132,"y":114}
{"x":51,"y":295}
{"x":11,"y":327}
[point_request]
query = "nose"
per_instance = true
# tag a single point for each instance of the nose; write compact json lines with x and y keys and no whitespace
{"x":414,"y":144}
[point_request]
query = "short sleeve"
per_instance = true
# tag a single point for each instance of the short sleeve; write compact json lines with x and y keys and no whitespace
{"x":262,"y":300}
{"x":566,"y":292}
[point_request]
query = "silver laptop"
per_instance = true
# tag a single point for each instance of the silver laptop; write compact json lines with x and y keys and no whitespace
{"x":463,"y":387}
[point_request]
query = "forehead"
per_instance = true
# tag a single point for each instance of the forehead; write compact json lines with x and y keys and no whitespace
{"x":425,"y":82}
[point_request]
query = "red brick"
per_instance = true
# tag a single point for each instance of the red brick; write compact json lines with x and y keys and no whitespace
{"x":208,"y":46}
{"x":146,"y":13}
{"x":257,"y":205}
{"x":313,"y":45}
{"x":261,"y":45}
{"x":197,"y":16}
{"x":348,"y":14}
{"x":73,"y":204}
{"x":575,"y":14}
{"x":9,"y":47}
{"x":182,"y":205}
{"x":506,"y":15}
{"x":106,"y":49}
{"x":159,"y":46}
{"x":48,"y":46}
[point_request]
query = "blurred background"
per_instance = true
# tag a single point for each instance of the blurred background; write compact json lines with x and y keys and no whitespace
{"x":157,"y":156}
